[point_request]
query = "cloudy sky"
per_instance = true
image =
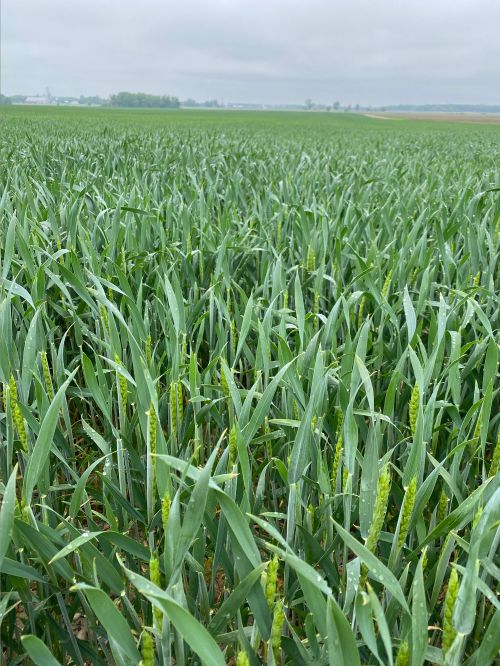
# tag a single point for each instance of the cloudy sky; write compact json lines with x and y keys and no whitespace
{"x":355,"y":51}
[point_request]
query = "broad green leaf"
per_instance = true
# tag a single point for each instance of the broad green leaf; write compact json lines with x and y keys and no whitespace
{"x":39,"y":456}
{"x":7,"y":509}
{"x":419,"y":637}
{"x":411,"y":319}
{"x":188,"y":627}
{"x":375,"y":567}
{"x":342,"y":649}
{"x":38,"y":652}
{"x":114,"y":622}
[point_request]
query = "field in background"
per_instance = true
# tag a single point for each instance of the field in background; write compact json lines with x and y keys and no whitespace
{"x":250,"y":394}
{"x":272,"y":121}
{"x":468,"y":118}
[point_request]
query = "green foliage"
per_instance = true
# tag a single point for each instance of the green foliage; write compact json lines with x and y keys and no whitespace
{"x":144,"y":101}
{"x":250,"y":391}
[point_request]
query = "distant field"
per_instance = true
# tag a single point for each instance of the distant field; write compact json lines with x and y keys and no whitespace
{"x":249,"y":406}
{"x":270,"y":120}
{"x":481,"y":118}
{"x":273,"y":121}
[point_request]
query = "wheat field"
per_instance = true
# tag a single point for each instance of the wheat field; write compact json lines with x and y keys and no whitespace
{"x":250,"y":393}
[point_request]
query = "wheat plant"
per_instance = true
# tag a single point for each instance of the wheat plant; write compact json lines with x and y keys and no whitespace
{"x":250,"y":395}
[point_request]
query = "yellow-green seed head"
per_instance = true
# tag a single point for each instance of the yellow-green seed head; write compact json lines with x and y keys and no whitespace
{"x":336,"y":462}
{"x":311,"y":514}
{"x":24,"y":510}
{"x":495,"y":458}
{"x":12,"y":393}
{"x":180,"y":401}
{"x":154,"y":571}
{"x":442,"y":505}
{"x":380,"y":508}
{"x":17,"y":416}
{"x":123,"y":386}
{"x":152,"y":442}
{"x":316,"y":302}
{"x":263,"y":580}
{"x":201,"y":266}
{"x":242,"y":659}
{"x":449,"y":632}
{"x":272,"y":581}
{"x":425,"y":558}
{"x":184,"y":348}
{"x":46,"y":375}
{"x":147,"y":649}
{"x":165,"y":509}
{"x":155,"y":577}
{"x":285,"y":299}
{"x":311,"y":259}
{"x":223,"y":383}
{"x":148,"y":351}
{"x":21,"y":429}
{"x":340,"y":421}
{"x":278,"y":233}
{"x":406,"y":511}
{"x":278,"y":620}
{"x":477,"y":277}
{"x":104,"y":317}
{"x":234,"y":338}
{"x":413,"y":407}
{"x":403,"y":657}
{"x":233,"y":450}
{"x":387,"y":283}
{"x":345,"y":479}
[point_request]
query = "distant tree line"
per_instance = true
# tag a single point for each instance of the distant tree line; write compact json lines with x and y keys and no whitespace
{"x":209,"y":104}
{"x":144,"y":101}
{"x":122,"y":99}
{"x":92,"y":100}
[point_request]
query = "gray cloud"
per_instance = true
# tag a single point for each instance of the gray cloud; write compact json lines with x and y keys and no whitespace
{"x":372,"y":52}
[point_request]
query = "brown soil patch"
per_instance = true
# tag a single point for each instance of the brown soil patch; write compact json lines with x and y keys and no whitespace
{"x":477,"y":118}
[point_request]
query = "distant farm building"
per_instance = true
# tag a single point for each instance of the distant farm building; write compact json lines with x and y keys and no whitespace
{"x":37,"y":100}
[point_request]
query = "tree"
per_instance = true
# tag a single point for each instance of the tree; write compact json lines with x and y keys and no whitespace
{"x":336,"y":106}
{"x":93,"y":100}
{"x":144,"y":101}
{"x":308,"y":104}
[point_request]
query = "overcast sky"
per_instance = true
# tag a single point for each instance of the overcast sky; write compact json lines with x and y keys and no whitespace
{"x":354,"y":51}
